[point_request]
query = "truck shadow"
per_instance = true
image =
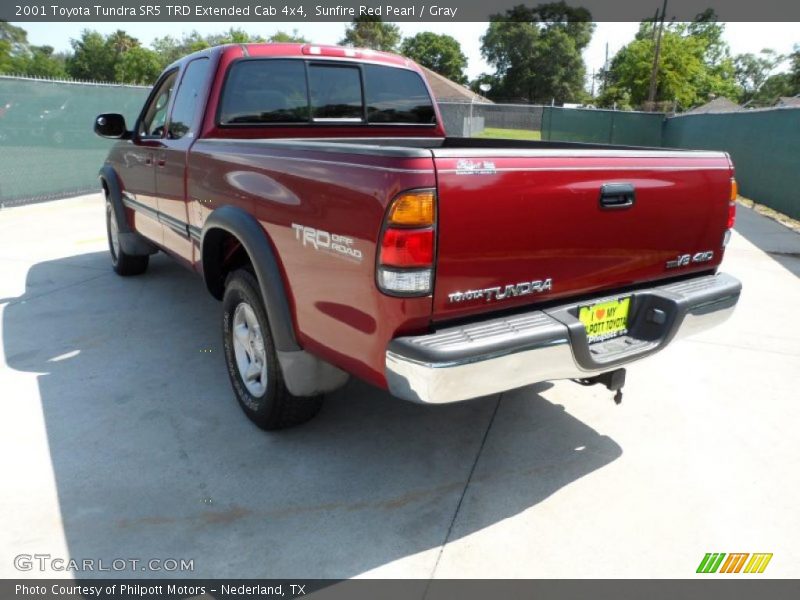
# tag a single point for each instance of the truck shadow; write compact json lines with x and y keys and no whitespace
{"x":152,"y":457}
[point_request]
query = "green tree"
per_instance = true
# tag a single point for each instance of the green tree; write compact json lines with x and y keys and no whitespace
{"x":752,"y":71}
{"x":371,"y":32}
{"x":484,"y":78}
{"x":537,"y":52}
{"x":232,"y":36}
{"x":169,"y":48}
{"x":794,"y":72}
{"x":287,"y":38}
{"x":13,"y":40}
{"x":773,"y":88}
{"x":18,"y":56}
{"x":695,"y":65}
{"x":41,"y":61}
{"x":438,"y":52}
{"x":92,"y":58}
{"x":138,"y":65}
{"x":719,"y":74}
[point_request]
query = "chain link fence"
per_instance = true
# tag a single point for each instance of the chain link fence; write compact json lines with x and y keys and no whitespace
{"x":462,"y":119}
{"x":47,"y":146}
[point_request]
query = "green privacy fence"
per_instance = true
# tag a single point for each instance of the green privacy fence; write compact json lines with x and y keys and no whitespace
{"x":601,"y":126}
{"x":47,"y":147}
{"x":764,"y":146}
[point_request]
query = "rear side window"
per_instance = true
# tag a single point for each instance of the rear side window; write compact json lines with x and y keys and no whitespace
{"x":276,"y":91}
{"x":265,"y":91}
{"x":396,"y":96}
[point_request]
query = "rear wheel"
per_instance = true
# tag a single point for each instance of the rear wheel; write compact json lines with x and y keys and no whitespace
{"x":252,"y":363}
{"x":122,"y":263}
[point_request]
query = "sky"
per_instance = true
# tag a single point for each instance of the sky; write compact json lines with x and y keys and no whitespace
{"x":742,"y":37}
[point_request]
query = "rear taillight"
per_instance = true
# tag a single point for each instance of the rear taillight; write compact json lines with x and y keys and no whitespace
{"x":731,"y":215}
{"x":408,"y":245}
{"x":734,"y":194}
{"x":732,"y":203}
{"x":407,"y":248}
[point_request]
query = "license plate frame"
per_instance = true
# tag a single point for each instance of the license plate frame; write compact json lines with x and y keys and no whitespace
{"x":605,"y":320}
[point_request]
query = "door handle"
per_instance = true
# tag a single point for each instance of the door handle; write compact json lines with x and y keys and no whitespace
{"x":617,"y":195}
{"x":161,"y":162}
{"x":148,"y":160}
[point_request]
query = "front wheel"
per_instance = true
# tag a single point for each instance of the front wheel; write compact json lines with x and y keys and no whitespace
{"x":123,"y":264}
{"x":252,"y":363}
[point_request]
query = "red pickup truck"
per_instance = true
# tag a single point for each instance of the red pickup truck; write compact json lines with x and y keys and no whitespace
{"x":315,"y":191}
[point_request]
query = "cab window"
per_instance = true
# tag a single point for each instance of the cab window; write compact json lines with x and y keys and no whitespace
{"x":187,"y":100}
{"x":155,"y":115}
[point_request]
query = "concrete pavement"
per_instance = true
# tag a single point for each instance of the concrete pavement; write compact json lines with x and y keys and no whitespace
{"x":121,"y":440}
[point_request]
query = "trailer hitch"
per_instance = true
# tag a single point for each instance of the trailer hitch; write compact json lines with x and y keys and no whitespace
{"x":613,"y":380}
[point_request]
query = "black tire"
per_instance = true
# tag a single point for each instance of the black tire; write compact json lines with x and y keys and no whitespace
{"x":275,"y":407}
{"x":122,"y":263}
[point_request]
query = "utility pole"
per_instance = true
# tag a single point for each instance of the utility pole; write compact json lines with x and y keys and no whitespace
{"x":655,"y":26}
{"x":605,"y":70}
{"x":651,"y":96}
{"x":592,"y":84}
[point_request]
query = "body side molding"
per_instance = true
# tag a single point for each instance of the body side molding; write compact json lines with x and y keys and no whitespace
{"x":130,"y":241}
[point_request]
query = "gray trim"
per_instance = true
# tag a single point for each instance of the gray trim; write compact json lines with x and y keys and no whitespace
{"x":696,"y":296}
{"x":569,"y":153}
{"x":129,"y":240}
{"x":495,"y":355}
{"x":139,"y":207}
{"x":442,"y":148}
{"x":579,"y":168}
{"x":176,"y":225}
{"x":306,"y":375}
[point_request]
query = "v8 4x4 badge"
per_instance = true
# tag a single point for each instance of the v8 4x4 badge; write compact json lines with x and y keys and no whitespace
{"x":684,"y":260}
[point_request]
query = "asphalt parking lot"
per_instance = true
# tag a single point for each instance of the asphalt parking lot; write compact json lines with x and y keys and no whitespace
{"x":121,"y":440}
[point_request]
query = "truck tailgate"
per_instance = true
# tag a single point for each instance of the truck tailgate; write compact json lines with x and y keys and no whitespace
{"x":535,"y":218}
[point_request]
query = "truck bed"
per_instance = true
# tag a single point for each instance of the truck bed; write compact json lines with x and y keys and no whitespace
{"x":520,"y":212}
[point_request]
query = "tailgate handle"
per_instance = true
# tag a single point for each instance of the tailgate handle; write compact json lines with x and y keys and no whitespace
{"x":617,"y":195}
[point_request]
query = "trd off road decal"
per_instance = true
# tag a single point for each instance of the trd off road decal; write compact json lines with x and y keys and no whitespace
{"x":325,"y":241}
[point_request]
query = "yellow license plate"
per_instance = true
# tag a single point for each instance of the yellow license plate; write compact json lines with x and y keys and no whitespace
{"x":605,"y":320}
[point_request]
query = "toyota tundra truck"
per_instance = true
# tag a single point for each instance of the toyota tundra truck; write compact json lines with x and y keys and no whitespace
{"x":315,"y":191}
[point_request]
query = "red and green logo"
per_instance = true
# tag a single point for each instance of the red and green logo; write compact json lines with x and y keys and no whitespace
{"x":719,"y":562}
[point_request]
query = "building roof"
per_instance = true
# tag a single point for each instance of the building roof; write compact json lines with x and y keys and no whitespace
{"x":793,"y":101}
{"x":717,"y":105}
{"x":446,"y":90}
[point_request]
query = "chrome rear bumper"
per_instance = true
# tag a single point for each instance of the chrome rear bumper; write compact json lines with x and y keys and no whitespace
{"x":491,"y":356}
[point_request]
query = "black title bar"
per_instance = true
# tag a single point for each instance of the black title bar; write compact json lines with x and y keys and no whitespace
{"x":398,"y":10}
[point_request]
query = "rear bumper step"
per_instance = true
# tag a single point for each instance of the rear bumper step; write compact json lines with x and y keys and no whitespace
{"x":499,"y":354}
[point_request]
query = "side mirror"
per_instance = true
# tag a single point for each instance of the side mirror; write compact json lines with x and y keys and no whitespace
{"x":111,"y":125}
